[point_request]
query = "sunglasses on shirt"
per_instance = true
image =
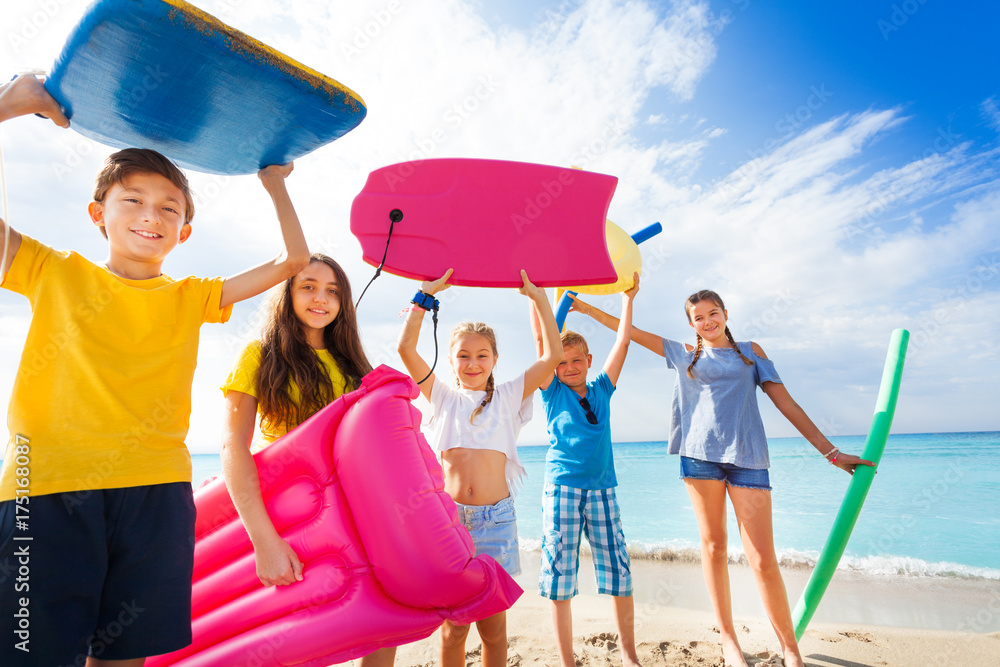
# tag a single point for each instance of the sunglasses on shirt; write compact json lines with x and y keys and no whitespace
{"x":591,"y":417}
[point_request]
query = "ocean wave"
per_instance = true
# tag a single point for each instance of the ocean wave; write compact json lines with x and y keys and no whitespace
{"x":791,"y":559}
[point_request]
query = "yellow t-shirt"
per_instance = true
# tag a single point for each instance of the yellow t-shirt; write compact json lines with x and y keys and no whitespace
{"x":102,"y":395}
{"x":243,"y":378}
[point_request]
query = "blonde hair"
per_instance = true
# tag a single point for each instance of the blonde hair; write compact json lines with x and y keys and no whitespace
{"x":708,"y":295}
{"x":573,"y":339}
{"x":484,"y":330}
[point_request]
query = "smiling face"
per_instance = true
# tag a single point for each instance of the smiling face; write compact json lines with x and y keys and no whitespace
{"x":472,"y":360}
{"x":708,"y":319}
{"x":572,"y":370}
{"x":315,"y":300}
{"x":143,"y":218}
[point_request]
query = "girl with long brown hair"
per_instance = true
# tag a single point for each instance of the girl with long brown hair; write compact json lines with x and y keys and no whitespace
{"x":309,"y":353}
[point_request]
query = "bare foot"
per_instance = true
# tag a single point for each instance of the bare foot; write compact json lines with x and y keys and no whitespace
{"x":793,"y":659}
{"x":731,"y":653}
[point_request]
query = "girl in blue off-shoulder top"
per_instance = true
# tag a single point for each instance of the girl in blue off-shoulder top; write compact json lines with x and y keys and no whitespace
{"x":715,"y":426}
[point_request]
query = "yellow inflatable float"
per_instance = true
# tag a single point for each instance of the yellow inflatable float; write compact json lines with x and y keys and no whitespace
{"x":627,"y":260}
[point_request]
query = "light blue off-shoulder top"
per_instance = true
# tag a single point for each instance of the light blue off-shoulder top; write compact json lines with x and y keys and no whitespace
{"x":715,"y":417}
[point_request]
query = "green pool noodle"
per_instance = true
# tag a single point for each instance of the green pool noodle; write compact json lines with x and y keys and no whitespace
{"x":861,"y":481}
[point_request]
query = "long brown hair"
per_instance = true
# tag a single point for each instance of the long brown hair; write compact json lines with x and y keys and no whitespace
{"x":708,"y":295}
{"x":286,"y":357}
{"x":486,"y":332}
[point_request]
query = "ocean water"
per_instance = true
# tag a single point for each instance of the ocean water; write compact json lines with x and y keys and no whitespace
{"x":933,"y":509}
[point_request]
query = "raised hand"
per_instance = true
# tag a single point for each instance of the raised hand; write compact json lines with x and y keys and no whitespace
{"x":528,"y":288}
{"x":630,"y":293}
{"x":26,"y":95}
{"x":578,"y":305}
{"x":434,"y":286}
{"x":273,"y":171}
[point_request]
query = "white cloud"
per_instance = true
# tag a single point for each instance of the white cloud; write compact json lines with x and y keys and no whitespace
{"x":991,"y":112}
{"x":817,"y":254}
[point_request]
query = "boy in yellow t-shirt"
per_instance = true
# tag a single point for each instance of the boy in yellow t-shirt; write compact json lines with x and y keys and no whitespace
{"x":96,"y":511}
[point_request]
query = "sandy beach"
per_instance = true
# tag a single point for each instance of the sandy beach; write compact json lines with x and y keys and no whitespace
{"x":864,"y":621}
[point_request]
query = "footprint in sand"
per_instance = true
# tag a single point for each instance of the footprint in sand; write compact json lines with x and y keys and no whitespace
{"x":859,"y":636}
{"x":603,"y":640}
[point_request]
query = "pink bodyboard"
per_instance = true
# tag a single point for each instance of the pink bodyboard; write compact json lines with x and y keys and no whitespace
{"x":487,"y":220}
{"x":359,"y":495}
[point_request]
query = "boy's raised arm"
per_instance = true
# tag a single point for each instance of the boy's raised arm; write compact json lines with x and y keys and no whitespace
{"x":295,"y":257}
{"x":20,"y":97}
{"x":648,"y":340}
{"x":616,"y":358}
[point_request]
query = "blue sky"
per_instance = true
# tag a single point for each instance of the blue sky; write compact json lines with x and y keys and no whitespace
{"x":829,"y":168}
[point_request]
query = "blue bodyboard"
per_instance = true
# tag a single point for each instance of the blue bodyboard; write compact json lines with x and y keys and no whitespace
{"x":165,"y":75}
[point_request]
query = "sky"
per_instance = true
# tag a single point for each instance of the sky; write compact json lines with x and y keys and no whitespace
{"x":831,"y":169}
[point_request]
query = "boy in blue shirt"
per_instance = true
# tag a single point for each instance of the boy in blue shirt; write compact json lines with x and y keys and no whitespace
{"x":579,"y":496}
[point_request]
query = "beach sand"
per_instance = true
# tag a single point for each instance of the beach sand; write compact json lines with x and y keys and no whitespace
{"x":864,"y":621}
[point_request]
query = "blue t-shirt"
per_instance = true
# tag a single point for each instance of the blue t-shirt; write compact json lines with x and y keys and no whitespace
{"x":579,"y":453}
{"x":714,"y":417}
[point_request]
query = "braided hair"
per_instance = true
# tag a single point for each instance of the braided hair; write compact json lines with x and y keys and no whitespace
{"x":484,"y":330}
{"x":709,"y":295}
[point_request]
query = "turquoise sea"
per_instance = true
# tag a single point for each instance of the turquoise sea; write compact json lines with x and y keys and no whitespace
{"x":933,"y":510}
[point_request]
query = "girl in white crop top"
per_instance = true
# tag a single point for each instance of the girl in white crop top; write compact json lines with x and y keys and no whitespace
{"x":474,"y":427}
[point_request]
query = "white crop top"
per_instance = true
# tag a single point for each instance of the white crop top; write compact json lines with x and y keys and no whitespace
{"x":495,"y":428}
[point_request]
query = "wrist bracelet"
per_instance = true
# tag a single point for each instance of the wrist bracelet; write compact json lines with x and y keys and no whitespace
{"x":425,"y":301}
{"x":833,"y":452}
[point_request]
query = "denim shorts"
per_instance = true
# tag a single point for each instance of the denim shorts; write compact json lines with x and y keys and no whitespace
{"x":494,"y":532}
{"x":732,"y":475}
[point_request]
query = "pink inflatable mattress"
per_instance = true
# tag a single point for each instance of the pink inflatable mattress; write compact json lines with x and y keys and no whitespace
{"x":358,"y":494}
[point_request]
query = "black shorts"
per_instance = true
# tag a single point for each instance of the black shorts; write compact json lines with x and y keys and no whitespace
{"x":105,"y":573}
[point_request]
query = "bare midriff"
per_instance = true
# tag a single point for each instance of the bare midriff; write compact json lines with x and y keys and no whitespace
{"x":474,"y":476}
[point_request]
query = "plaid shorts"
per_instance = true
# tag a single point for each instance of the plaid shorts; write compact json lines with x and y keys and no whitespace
{"x":568,"y":513}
